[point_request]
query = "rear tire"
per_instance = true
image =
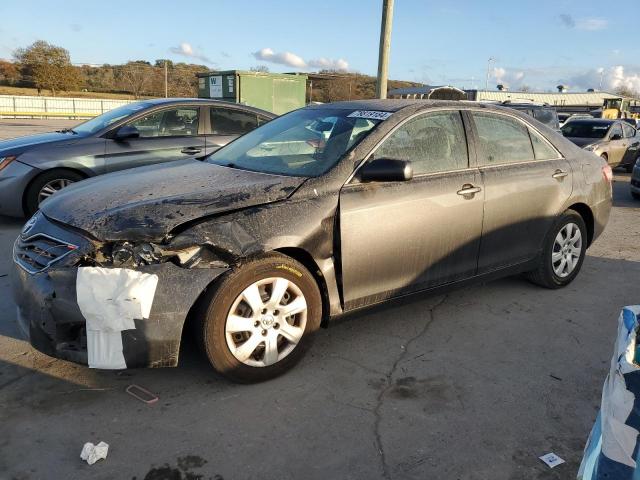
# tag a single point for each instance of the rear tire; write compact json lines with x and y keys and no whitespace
{"x":47,"y":182}
{"x":246,"y":329}
{"x":563,"y":252}
{"x":636,"y":196}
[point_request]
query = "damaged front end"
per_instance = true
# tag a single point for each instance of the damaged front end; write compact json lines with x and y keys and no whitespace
{"x":90,"y":302}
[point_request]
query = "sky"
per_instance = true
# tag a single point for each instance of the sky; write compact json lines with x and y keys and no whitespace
{"x":533,"y":43}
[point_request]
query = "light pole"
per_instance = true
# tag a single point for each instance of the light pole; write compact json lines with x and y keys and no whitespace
{"x":486,"y":84}
{"x":166,"y":84}
{"x":385,"y":45}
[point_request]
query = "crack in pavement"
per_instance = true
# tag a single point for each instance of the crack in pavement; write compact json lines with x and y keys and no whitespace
{"x":388,"y":379}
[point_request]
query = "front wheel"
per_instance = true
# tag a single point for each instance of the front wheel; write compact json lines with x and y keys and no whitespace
{"x":260,"y":318}
{"x":563,"y":252}
{"x":45,"y":185}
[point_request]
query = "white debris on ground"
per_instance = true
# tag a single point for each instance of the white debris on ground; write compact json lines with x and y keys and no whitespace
{"x":551,"y":459}
{"x":92,"y":453}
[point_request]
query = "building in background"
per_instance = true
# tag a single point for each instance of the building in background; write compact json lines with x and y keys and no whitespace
{"x":443,"y":92}
{"x":275,"y":92}
{"x":570,"y":102}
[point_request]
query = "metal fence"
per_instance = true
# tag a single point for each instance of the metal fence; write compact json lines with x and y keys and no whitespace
{"x":14,"y":106}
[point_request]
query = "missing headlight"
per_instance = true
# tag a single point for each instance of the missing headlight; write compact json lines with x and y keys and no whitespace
{"x":128,"y":254}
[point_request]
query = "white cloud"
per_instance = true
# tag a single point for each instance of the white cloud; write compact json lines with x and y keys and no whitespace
{"x":186,"y":50}
{"x":292,"y":60}
{"x":329,"y":64}
{"x":282,"y":58}
{"x":612,"y":78}
{"x":508,"y":78}
{"x":591,"y":24}
{"x":586,"y":23}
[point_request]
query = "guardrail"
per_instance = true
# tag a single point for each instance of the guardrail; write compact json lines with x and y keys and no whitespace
{"x":18,"y":106}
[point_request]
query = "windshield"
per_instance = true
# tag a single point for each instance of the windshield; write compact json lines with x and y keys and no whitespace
{"x":306,"y":142}
{"x":585,"y":130}
{"x":101,"y":121}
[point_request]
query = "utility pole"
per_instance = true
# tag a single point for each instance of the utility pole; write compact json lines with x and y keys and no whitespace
{"x":166,"y":83}
{"x":486,"y":84}
{"x":385,"y":45}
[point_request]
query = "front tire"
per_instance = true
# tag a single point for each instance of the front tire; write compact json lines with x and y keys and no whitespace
{"x":563,"y":253}
{"x":636,"y":196}
{"x":45,"y":185}
{"x":260,"y":319}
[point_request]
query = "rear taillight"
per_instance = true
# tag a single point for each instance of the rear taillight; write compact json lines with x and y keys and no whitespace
{"x":607,"y":173}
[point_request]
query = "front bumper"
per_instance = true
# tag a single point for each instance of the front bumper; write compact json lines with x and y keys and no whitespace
{"x":48,"y":310}
{"x":14,"y":180}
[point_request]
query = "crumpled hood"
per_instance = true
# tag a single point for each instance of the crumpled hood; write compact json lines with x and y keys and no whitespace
{"x":146,"y":203}
{"x":583,"y":142}
{"x":18,"y":145}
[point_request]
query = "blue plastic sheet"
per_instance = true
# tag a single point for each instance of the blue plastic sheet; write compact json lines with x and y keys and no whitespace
{"x":612,"y":448}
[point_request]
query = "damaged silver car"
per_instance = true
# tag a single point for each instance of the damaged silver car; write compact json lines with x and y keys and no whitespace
{"x":320,"y":212}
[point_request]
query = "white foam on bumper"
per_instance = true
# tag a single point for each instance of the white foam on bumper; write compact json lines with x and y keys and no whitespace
{"x":110,"y":299}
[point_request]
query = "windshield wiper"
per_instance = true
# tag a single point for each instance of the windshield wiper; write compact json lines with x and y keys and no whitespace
{"x":67,"y":130}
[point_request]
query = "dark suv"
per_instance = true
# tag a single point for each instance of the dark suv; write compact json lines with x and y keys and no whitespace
{"x":543,"y":112}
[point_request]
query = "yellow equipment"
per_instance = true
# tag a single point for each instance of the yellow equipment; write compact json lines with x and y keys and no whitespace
{"x":620,"y":108}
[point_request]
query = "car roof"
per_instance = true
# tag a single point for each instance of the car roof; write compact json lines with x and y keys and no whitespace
{"x":204,"y":101}
{"x":409,"y":106}
{"x":594,"y":121}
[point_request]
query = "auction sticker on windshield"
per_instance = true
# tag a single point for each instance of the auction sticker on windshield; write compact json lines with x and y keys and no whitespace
{"x":372,"y":114}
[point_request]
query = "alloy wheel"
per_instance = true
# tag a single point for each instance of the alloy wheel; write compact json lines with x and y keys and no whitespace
{"x":567,"y":249}
{"x":52,"y":187}
{"x":266,"y":322}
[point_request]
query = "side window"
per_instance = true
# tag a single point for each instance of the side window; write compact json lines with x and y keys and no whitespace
{"x":502,"y":139}
{"x":629,"y":131}
{"x":548,"y":116}
{"x":229,"y":121}
{"x":176,"y":122}
{"x":433,"y":142}
{"x":541,"y":149}
{"x":616,"y":130}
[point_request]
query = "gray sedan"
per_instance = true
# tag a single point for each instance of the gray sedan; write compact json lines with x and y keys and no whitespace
{"x":33,"y":168}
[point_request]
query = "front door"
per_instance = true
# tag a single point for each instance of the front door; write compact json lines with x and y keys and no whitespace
{"x":617,"y":144}
{"x":166,"y":135}
{"x":399,"y":237}
{"x":526,"y":183}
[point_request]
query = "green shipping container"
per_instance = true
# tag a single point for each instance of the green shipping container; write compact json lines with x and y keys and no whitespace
{"x":275,"y":92}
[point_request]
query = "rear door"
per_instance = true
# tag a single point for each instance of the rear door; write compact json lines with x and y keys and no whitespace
{"x":399,"y":237}
{"x":166,"y":134}
{"x":632,"y":138}
{"x":227,"y":124}
{"x":526,"y":183}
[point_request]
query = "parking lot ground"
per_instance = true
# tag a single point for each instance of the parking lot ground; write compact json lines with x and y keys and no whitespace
{"x":15,"y":127}
{"x":475,"y":384}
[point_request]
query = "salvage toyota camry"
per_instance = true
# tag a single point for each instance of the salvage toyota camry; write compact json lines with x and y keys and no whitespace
{"x":322,"y":211}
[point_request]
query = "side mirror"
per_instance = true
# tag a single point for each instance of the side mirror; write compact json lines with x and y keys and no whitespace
{"x":126,"y":132}
{"x":616,"y":136}
{"x":386,"y":170}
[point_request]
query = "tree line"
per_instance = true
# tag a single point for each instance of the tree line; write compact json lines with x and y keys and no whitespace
{"x":49,"y":69}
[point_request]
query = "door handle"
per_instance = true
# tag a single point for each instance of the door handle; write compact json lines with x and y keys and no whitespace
{"x":559,"y":174}
{"x":468,"y":190}
{"x":191,"y":150}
